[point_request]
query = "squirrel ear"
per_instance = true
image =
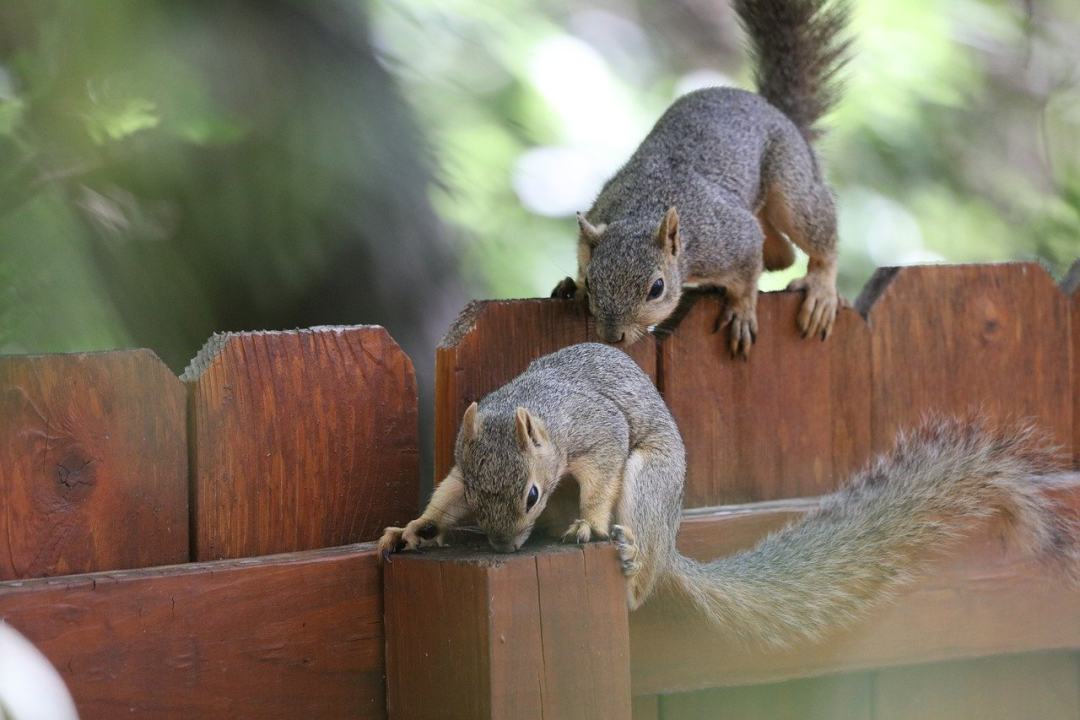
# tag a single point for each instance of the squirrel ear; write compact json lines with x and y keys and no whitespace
{"x":590,"y":233}
{"x":470,"y":428}
{"x":530,"y":431}
{"x":667,"y":237}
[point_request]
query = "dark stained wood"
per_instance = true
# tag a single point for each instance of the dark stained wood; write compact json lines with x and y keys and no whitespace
{"x":1044,"y":686}
{"x":1071,"y":286}
{"x":792,"y":421}
{"x":848,"y":697}
{"x":301,"y":440}
{"x":982,"y":599}
{"x":93,"y":464}
{"x":954,"y":338}
{"x":540,"y":633}
{"x":290,"y":636}
{"x":491,"y":343}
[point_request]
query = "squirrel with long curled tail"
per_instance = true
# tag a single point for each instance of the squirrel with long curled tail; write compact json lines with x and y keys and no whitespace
{"x":722,"y":186}
{"x":588,"y":411}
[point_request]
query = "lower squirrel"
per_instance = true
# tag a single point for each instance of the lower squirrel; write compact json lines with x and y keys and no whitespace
{"x":588,"y":411}
{"x":721,"y":187}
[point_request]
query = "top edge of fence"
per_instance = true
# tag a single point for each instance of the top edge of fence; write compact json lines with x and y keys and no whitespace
{"x":214,"y":345}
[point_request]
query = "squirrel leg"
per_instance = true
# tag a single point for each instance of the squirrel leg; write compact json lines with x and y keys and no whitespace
{"x":446,"y":510}
{"x":598,"y":484}
{"x":735,"y":264}
{"x":740,"y":314}
{"x":800,"y":205}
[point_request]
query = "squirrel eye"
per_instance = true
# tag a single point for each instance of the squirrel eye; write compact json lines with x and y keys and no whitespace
{"x":534,"y":495}
{"x":657,"y":289}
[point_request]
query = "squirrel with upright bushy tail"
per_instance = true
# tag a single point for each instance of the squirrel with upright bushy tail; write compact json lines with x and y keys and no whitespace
{"x":722,"y":186}
{"x":588,"y":411}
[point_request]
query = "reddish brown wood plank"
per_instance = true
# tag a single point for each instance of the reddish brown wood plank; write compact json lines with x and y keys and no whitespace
{"x":983,"y":599}
{"x":954,"y":338}
{"x":494,"y":341}
{"x":93,"y":463}
{"x":540,"y":633}
{"x":1044,"y":686}
{"x":274,"y":637}
{"x":302,"y":439}
{"x":792,"y":421}
{"x":1071,"y":286}
{"x":847,"y":697}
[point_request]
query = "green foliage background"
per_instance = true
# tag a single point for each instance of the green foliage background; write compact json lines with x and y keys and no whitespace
{"x":171,"y":169}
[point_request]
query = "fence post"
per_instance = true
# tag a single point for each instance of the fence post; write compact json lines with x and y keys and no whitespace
{"x":541,"y":633}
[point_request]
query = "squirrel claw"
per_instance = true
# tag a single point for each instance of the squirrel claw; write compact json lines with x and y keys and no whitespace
{"x":581,"y":532}
{"x":819,"y":308}
{"x":627,"y":549}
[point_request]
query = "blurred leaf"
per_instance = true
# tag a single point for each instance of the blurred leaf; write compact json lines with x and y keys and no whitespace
{"x":116,"y":122}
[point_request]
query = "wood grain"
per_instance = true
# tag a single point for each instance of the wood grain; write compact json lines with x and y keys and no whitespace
{"x":1044,"y":686}
{"x":93,"y":464}
{"x":540,"y":633}
{"x":792,"y":421}
{"x":848,"y":697}
{"x":982,"y":599}
{"x":493,"y":342}
{"x":1070,"y":285}
{"x":276,"y":637}
{"x":956,"y":338}
{"x":301,"y":440}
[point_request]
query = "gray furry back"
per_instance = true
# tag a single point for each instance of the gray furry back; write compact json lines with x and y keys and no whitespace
{"x":798,"y":47}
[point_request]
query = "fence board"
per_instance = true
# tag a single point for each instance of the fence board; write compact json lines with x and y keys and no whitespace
{"x":848,"y":697}
{"x":1071,"y":286}
{"x":301,"y":440}
{"x":93,"y":463}
{"x":790,"y":422}
{"x":541,"y":633}
{"x":983,"y":599}
{"x":494,"y":341}
{"x":1043,"y":686}
{"x":274,"y":637}
{"x":956,"y":338}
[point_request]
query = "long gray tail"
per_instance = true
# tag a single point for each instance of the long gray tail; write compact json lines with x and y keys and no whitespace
{"x":870,"y":538}
{"x":798,"y":47}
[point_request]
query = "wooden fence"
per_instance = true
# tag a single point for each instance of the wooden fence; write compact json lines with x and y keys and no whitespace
{"x":140,"y":514}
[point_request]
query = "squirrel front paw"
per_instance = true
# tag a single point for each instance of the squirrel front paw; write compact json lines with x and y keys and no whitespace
{"x":566,"y":289}
{"x":417,"y":534}
{"x":743,"y":328}
{"x":580,"y":531}
{"x":818,"y":311}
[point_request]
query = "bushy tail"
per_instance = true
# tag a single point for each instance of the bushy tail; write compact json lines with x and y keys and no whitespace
{"x":798,"y":47}
{"x":868,"y":539}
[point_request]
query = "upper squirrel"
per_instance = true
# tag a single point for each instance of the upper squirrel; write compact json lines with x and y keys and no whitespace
{"x":725,"y":175}
{"x":590,"y":412}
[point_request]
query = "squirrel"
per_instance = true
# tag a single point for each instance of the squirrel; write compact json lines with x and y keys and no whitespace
{"x":723,"y":184}
{"x":588,"y":411}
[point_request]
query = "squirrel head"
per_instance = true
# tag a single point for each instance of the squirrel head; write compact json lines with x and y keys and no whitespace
{"x":631,"y":274}
{"x":509,"y":467}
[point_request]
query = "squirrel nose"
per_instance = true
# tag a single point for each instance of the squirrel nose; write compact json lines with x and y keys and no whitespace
{"x":610,"y":334}
{"x":503,"y":546}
